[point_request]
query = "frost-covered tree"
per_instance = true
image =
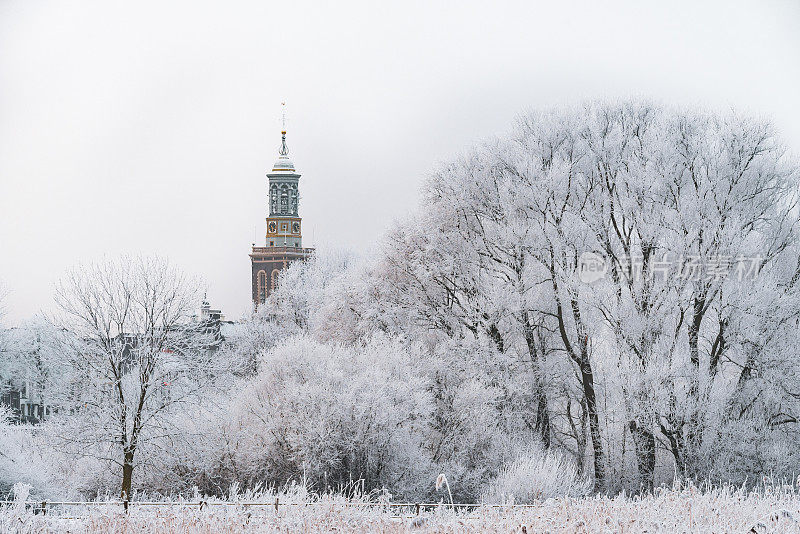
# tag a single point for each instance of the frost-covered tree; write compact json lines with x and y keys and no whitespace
{"x":501,"y":263}
{"x":654,"y":355}
{"x":138,"y":362}
{"x":684,"y":201}
{"x":30,"y":361}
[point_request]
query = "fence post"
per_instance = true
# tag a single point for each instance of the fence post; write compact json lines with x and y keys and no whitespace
{"x":276,"y":505}
{"x":417,"y":508}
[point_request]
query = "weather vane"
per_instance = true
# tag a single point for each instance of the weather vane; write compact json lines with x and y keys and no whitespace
{"x":284,"y":149}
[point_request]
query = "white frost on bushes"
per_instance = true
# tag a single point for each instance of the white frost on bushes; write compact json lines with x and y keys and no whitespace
{"x":535,"y":476}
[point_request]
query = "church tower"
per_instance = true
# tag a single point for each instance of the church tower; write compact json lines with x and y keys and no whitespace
{"x":284,"y":238}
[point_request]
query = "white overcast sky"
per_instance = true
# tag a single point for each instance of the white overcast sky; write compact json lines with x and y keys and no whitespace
{"x":144,"y":127}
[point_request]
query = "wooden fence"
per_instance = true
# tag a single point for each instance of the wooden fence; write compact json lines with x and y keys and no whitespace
{"x":416,"y":508}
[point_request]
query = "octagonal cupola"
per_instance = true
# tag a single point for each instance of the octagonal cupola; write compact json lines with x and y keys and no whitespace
{"x":284,"y":179}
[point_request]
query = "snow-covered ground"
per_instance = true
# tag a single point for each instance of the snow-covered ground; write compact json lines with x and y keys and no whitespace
{"x":668,"y":511}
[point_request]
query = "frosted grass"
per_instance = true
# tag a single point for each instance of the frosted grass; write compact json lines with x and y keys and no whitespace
{"x":770,"y":509}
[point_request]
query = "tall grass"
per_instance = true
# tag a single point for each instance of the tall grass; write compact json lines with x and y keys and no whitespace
{"x":682,"y":508}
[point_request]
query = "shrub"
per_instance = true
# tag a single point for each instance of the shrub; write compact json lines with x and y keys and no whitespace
{"x":537,"y":475}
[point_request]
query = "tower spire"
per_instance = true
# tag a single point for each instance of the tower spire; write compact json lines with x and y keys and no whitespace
{"x":284,"y":151}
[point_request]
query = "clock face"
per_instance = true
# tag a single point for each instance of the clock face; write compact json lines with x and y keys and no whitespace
{"x":273,"y":227}
{"x":296,"y":227}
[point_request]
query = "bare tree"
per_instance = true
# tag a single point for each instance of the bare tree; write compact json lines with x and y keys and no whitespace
{"x":137,"y":357}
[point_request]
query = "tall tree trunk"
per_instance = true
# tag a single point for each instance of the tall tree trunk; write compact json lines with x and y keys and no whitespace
{"x":579,"y":431}
{"x":587,"y":379}
{"x":543,"y":419}
{"x":675,"y":437}
{"x":537,"y":360}
{"x":127,"y":476}
{"x":694,"y":419}
{"x":580,"y":355}
{"x":581,"y":358}
{"x":645,"y":444}
{"x":698,"y":310}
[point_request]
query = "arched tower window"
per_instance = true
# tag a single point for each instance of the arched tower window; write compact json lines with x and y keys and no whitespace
{"x":274,"y":279}
{"x":294,"y":200}
{"x":262,"y":286}
{"x":273,"y":198}
{"x":284,"y":199}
